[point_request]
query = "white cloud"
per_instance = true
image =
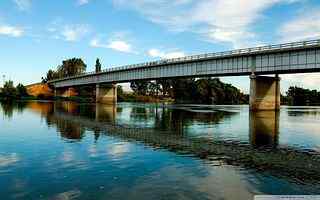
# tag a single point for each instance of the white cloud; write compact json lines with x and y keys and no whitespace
{"x":311,"y":81}
{"x":156,"y":53}
{"x":305,"y":26}
{"x":96,"y":43}
{"x":117,"y":45}
{"x":75,"y":32}
{"x":176,"y":54}
{"x":229,"y":21}
{"x":121,"y":46}
{"x":83,"y":2}
{"x":11,"y":31}
{"x":23,"y":5}
{"x":59,"y":29}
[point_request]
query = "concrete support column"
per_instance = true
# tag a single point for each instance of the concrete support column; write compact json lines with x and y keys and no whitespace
{"x":106,"y":94}
{"x":264,"y":93}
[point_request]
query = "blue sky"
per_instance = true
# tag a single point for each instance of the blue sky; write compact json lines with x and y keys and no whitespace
{"x":36,"y":35}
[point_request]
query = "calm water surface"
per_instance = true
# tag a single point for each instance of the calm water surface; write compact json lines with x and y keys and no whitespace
{"x":145,"y":151}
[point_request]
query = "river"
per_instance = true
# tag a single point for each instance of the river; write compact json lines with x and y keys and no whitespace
{"x":67,"y":150}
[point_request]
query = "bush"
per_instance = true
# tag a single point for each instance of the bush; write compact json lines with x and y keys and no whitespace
{"x":9,"y":91}
{"x":21,"y":90}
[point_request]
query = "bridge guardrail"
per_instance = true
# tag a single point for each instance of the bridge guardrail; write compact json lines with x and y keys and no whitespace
{"x":307,"y":43}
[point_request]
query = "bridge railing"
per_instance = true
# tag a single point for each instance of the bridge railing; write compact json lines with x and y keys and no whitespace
{"x":259,"y":49}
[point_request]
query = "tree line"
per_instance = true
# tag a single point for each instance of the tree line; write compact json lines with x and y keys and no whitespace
{"x":302,"y":97}
{"x":214,"y":91}
{"x":9,"y":91}
{"x":189,"y":90}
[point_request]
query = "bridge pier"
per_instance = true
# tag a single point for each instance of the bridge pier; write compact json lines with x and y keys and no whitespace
{"x":264,"y":93}
{"x":106,"y":94}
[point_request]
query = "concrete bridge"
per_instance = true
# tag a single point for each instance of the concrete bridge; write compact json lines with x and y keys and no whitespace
{"x":297,"y":57}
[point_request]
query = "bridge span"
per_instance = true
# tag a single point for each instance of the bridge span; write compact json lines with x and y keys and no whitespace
{"x":296,"y":57}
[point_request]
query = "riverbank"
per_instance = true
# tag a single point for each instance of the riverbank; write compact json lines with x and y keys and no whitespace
{"x":130,"y":97}
{"x":39,"y":98}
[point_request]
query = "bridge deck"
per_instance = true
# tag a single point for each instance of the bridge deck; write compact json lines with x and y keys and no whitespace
{"x":297,"y":57}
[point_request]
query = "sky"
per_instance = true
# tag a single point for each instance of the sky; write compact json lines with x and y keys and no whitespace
{"x":36,"y":35}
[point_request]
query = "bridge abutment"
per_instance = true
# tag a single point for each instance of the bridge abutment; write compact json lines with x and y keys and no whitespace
{"x":106,"y":94}
{"x":264,"y":93}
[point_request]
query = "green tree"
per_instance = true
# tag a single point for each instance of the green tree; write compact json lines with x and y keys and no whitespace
{"x":184,"y":90}
{"x":98,"y":65}
{"x":140,"y":87}
{"x":153,"y":88}
{"x":71,"y":67}
{"x":51,"y":74}
{"x":9,"y":91}
{"x":21,"y":90}
{"x":208,"y":91}
{"x":204,"y":91}
{"x":300,"y":96}
{"x":166,"y":86}
{"x":120,"y":93}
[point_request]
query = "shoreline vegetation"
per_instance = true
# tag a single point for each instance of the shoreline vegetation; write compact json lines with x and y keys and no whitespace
{"x":184,"y":90}
{"x":295,"y":96}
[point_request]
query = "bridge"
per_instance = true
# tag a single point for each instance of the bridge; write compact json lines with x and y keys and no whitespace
{"x":296,"y":57}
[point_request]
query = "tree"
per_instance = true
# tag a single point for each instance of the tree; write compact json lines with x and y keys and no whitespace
{"x":184,"y":90}
{"x":300,"y":96}
{"x":120,"y":93}
{"x":21,"y":90}
{"x":51,"y":74}
{"x":9,"y":91}
{"x":166,"y":86}
{"x":71,"y":67}
{"x":140,"y":87}
{"x":120,"y":90}
{"x":153,"y":89}
{"x":98,"y":65}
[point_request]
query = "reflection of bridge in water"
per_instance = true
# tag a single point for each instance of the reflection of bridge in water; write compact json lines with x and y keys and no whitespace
{"x":262,"y":154}
{"x":264,"y":128}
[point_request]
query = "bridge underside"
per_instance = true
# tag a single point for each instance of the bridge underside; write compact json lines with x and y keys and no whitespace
{"x":101,"y":93}
{"x":264,"y":93}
